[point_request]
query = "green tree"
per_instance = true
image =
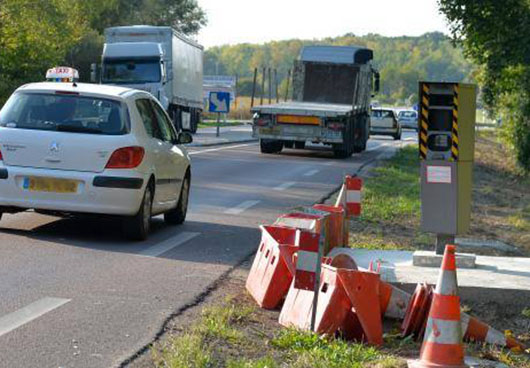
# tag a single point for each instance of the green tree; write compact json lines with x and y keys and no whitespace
{"x":496,"y":35}
{"x":35,"y":35}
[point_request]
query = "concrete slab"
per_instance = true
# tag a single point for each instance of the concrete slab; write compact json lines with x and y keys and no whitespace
{"x":510,"y":273}
{"x":425,"y":258}
{"x":236,"y":134}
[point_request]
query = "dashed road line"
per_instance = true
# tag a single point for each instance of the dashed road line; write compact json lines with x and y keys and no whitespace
{"x":168,"y":244}
{"x":221,"y":148}
{"x":311,"y":172}
{"x":241,"y":207}
{"x":28,"y":313}
{"x":285,"y":185}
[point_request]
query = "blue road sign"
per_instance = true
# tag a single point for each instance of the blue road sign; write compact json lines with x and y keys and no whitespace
{"x":219,"y":102}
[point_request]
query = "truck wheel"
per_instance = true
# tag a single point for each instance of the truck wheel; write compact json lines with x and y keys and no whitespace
{"x":176,"y":116}
{"x":299,"y":145}
{"x":270,"y":146}
{"x":288,"y":144}
{"x":397,"y":136}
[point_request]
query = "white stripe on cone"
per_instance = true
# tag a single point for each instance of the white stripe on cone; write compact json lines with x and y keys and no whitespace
{"x":397,"y":306}
{"x":447,"y":283}
{"x":353,"y":196}
{"x":495,"y":337}
{"x":441,"y":331}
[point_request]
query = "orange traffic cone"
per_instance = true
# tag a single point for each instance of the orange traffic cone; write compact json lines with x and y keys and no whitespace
{"x":442,"y":343}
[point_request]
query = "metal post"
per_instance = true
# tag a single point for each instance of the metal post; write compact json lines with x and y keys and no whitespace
{"x":276,"y":84}
{"x":262,"y":86}
{"x":218,"y":124}
{"x":270,"y":87}
{"x":254,"y":87}
{"x":442,"y":240}
{"x":287,"y":88}
{"x":321,"y":244}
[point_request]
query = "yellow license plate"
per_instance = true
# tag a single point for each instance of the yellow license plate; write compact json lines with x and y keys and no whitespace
{"x":274,"y":130}
{"x":36,"y":184}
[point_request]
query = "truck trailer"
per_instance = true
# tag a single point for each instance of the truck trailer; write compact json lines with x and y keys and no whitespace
{"x":161,"y":61}
{"x":332,"y":88}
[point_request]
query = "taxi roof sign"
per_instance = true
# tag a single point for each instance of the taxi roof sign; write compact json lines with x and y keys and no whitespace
{"x":62,"y":74}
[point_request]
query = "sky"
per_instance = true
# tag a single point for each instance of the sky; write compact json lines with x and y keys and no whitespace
{"x":239,"y":21}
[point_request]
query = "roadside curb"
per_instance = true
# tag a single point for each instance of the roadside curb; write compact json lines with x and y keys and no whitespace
{"x":222,"y":143}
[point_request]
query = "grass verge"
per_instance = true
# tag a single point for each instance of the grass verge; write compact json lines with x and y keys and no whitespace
{"x":235,"y":334}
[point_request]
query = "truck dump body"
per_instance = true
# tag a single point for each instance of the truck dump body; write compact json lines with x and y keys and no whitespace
{"x":331,"y":91}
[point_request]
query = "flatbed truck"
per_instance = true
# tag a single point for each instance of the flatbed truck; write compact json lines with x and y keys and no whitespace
{"x":332,"y":88}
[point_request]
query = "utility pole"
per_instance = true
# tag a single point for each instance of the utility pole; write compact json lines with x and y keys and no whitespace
{"x":270,"y":87}
{"x":276,"y":84}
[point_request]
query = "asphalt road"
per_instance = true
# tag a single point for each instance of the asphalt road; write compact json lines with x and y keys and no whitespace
{"x":73,"y":293}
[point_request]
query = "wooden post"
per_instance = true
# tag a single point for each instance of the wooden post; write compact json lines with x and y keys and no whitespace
{"x":287,"y":87}
{"x":262,"y":86}
{"x":254,"y":87}
{"x":276,"y":85}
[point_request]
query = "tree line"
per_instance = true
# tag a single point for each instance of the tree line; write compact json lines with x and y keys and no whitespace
{"x":402,"y":62}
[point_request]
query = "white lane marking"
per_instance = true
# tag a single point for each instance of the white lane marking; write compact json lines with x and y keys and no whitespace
{"x":285,"y":185}
{"x":220,"y":148}
{"x":30,"y":312}
{"x":168,"y":244}
{"x":311,"y":172}
{"x":241,"y":207}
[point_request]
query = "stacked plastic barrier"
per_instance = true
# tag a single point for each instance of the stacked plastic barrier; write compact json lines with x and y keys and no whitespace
{"x":291,"y":263}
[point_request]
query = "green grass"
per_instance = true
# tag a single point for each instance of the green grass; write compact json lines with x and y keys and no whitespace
{"x":394,"y":190}
{"x":213,"y":124}
{"x":219,"y":338}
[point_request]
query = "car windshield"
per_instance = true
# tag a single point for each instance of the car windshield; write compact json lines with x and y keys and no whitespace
{"x":64,"y":112}
{"x":131,"y":71}
{"x":407,"y":114}
{"x":382,"y":114}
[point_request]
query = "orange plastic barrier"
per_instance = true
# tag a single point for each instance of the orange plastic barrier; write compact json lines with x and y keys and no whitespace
{"x":272,"y":270}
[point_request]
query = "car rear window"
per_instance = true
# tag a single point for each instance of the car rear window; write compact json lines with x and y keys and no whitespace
{"x":382,"y":113}
{"x":407,"y":114}
{"x":65,"y":112}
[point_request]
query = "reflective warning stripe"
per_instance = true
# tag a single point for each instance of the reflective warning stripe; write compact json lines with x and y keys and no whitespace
{"x":447,"y":283}
{"x":353,"y":196}
{"x":307,"y":261}
{"x":424,"y":120}
{"x":454,"y":131}
{"x":495,"y":337}
{"x":442,"y":331}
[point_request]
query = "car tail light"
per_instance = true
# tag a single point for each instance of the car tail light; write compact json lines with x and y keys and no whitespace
{"x":1,"y":157}
{"x":335,"y":126}
{"x":126,"y":158}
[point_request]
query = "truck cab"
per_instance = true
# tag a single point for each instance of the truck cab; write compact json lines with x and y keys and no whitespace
{"x":138,"y":65}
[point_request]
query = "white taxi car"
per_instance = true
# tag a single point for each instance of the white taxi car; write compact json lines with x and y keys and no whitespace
{"x":69,"y":148}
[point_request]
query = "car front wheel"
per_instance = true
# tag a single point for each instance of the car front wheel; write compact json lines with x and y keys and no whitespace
{"x":177,"y":215}
{"x":137,"y":227}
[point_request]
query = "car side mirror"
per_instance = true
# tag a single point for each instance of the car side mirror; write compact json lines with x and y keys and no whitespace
{"x":184,"y":138}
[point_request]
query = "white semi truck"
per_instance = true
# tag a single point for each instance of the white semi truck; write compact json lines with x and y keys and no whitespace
{"x":160,"y":61}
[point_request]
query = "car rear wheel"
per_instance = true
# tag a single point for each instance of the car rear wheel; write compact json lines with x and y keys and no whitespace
{"x":137,"y":227}
{"x":178,"y":215}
